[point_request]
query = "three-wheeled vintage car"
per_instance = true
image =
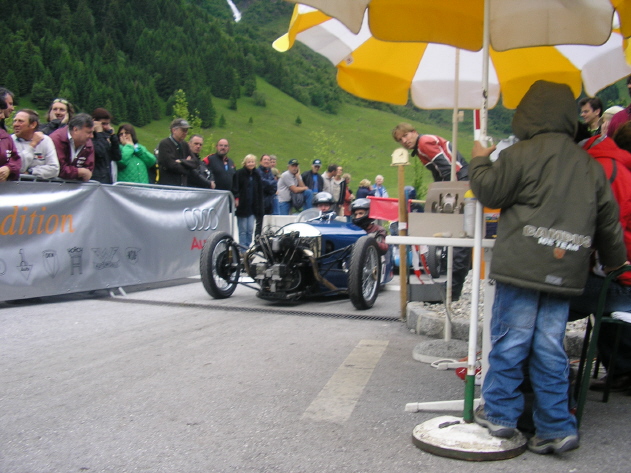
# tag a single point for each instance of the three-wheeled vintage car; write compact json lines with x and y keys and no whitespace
{"x":319,"y":256}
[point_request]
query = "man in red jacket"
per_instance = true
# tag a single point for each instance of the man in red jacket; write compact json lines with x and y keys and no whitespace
{"x":615,"y":158}
{"x":74,"y":148}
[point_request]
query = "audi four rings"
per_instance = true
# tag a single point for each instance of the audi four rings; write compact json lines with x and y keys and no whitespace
{"x":201,"y":219}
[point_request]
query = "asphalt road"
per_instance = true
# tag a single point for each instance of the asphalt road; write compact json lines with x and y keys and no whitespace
{"x":167,"y":379}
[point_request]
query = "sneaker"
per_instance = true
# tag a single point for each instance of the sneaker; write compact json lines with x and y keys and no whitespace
{"x":543,"y":446}
{"x":494,"y":429}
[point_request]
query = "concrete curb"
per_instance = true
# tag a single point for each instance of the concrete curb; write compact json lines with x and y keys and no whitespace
{"x":428,"y":323}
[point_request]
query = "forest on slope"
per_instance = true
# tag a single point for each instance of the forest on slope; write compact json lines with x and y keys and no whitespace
{"x":132,"y":56}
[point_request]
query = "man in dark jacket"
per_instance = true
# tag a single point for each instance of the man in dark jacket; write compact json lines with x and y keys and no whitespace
{"x":199,"y":175}
{"x":174,"y":156}
{"x":106,"y":146}
{"x":222,"y":167}
{"x":269,"y":190}
{"x":312,"y":178}
{"x":556,"y":205}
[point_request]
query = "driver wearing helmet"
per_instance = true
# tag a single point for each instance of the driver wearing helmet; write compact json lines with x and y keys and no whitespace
{"x":360,"y":210}
{"x":325,"y":203}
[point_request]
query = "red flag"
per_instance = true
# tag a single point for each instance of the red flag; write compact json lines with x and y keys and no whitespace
{"x":384,"y":208}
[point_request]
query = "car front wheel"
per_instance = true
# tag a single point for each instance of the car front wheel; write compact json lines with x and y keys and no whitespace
{"x":364,"y":273}
{"x":220,"y":265}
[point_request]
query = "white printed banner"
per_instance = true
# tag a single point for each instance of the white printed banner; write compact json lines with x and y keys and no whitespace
{"x":59,"y":238}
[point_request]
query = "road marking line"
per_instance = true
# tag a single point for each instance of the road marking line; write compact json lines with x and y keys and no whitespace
{"x":338,"y":398}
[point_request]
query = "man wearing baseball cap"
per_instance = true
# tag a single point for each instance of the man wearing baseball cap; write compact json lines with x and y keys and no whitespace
{"x":292,"y":191}
{"x":312,"y":179}
{"x":174,"y":155}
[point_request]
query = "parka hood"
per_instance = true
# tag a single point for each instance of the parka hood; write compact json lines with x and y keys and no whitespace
{"x":547,"y":107}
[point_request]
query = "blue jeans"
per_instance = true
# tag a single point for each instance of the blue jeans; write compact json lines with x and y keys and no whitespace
{"x":275,"y":206}
{"x":529,"y":326}
{"x":285,"y":207}
{"x":246,"y":227}
{"x":308,"y":199}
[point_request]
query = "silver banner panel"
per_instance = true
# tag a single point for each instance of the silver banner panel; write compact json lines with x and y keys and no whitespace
{"x":59,"y":238}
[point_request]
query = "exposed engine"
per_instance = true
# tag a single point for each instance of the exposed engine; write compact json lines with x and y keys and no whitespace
{"x":282,"y":263}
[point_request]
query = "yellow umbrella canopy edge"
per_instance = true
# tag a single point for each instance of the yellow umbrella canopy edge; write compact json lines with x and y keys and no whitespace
{"x":542,"y":63}
{"x":459,"y":23}
{"x":300,"y":21}
{"x":623,"y":7}
{"x":350,"y":13}
{"x":455,"y":22}
{"x":390,"y":81}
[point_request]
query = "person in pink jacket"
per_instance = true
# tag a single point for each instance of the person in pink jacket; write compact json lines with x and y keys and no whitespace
{"x":10,"y":162}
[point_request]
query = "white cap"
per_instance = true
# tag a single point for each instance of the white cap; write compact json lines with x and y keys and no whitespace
{"x":613,"y":110}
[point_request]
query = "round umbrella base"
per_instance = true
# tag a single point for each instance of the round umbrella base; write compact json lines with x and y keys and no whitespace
{"x":452,"y":437}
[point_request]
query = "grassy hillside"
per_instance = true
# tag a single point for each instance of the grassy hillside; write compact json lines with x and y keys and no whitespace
{"x":358,"y":138}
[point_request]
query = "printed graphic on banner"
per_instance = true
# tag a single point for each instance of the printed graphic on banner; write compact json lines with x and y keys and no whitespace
{"x":75,"y":260}
{"x":132,"y":254}
{"x":24,"y":267}
{"x":105,"y":258}
{"x":201,"y":219}
{"x":3,"y":267}
{"x":51,"y":262}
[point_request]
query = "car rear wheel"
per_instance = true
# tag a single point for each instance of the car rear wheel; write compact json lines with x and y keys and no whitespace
{"x":220,"y":265}
{"x":364,"y":273}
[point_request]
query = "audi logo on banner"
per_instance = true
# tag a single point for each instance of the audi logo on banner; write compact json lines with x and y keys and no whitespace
{"x":201,"y":219}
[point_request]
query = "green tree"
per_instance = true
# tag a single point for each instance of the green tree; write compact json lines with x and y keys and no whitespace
{"x":207,"y":112}
{"x":180,"y":105}
{"x":298,"y":120}
{"x":11,"y":82}
{"x":222,"y":121}
{"x":259,"y":99}
{"x":232,"y":102}
{"x":327,"y":147}
{"x":180,"y":110}
{"x":249,"y":87}
{"x":41,"y":94}
{"x":251,"y":121}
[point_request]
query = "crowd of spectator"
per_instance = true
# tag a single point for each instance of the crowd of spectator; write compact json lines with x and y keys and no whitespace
{"x":85,"y":147}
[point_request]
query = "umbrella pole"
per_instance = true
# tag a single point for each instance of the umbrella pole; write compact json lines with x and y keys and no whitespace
{"x":454,"y":153}
{"x":403,"y":249}
{"x":477,"y":444}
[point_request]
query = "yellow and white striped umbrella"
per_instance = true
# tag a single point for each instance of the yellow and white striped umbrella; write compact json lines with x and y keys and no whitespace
{"x":392,"y":71}
{"x":512,"y":23}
